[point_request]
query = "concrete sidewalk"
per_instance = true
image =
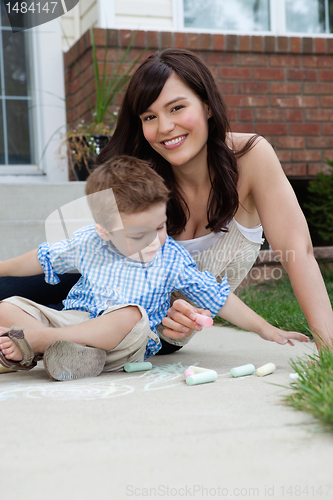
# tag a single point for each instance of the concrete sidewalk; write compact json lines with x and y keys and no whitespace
{"x":149,"y":435}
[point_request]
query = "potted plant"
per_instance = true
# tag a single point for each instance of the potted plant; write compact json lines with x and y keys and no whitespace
{"x":84,"y":143}
{"x":87,"y":138}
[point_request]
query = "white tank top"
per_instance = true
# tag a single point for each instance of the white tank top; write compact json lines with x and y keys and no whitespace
{"x":197,"y":245}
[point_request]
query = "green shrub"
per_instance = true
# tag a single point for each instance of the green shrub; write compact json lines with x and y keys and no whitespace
{"x":320,"y":203}
{"x":313,"y":392}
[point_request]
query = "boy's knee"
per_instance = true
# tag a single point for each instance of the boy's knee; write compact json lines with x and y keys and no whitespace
{"x":133,"y":316}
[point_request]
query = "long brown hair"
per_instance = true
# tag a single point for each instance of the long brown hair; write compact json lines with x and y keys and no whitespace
{"x":144,"y":88}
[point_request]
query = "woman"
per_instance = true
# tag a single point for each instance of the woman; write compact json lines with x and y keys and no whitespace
{"x":226,"y":186}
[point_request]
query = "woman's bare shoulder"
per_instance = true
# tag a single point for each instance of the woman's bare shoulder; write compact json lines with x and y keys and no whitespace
{"x":237,"y":140}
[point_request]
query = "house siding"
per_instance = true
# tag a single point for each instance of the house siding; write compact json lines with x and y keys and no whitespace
{"x":131,"y":14}
{"x":70,"y":27}
{"x":88,"y":14}
{"x":77,"y":21}
{"x":146,"y":14}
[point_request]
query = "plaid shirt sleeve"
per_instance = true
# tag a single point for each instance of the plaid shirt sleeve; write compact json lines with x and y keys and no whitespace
{"x":202,"y":287}
{"x":57,"y":258}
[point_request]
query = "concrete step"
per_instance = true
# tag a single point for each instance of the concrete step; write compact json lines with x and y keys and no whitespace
{"x":24,"y":209}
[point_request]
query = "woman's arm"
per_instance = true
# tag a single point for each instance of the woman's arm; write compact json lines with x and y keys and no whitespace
{"x":238,"y":313}
{"x":287,"y":232}
{"x":24,"y":265}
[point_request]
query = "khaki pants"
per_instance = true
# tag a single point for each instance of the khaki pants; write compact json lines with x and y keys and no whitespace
{"x":130,"y":350}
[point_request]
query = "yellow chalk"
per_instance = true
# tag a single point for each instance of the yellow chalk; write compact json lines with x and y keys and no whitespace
{"x":6,"y":370}
{"x":266,"y":369}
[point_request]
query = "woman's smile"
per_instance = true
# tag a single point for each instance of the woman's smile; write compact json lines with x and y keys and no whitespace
{"x":174,"y":142}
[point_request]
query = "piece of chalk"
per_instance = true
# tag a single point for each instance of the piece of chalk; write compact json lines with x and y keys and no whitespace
{"x":294,"y":377}
{"x":240,"y":371}
{"x":137,"y":367}
{"x":266,"y":369}
{"x":188,"y":372}
{"x":204,"y":320}
{"x":202,"y":378}
{"x":199,"y":369}
{"x":6,"y":370}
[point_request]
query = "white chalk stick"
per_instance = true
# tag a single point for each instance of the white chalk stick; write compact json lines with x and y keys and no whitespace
{"x":199,"y":369}
{"x":294,"y":377}
{"x":266,"y":369}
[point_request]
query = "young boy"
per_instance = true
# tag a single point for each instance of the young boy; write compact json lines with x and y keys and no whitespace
{"x":129,"y":266}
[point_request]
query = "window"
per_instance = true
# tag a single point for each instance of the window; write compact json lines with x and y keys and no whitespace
{"x":16,"y":145}
{"x":238,"y":15}
{"x":251,"y":16}
{"x":32,"y":102}
{"x":309,"y":16}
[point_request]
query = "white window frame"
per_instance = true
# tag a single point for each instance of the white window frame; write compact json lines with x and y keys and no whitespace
{"x":277,"y":23}
{"x":277,"y":17}
{"x":49,"y":109}
{"x":106,"y":14}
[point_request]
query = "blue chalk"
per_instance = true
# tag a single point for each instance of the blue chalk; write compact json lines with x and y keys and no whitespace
{"x":240,"y":371}
{"x":137,"y":367}
{"x":202,"y":378}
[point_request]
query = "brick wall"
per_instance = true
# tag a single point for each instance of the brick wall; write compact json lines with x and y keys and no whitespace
{"x":280,"y":87}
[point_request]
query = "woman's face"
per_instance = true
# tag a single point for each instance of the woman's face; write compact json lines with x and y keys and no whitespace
{"x":176,"y":124}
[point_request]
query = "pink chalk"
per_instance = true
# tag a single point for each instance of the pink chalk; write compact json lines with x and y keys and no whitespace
{"x":188,"y":372}
{"x":204,"y":320}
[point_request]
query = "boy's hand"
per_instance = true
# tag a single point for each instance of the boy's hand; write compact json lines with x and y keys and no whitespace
{"x":179,"y":323}
{"x":282,"y":337}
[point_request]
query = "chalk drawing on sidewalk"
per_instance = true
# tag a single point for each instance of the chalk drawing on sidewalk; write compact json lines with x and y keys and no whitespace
{"x":103,"y":387}
{"x":164,"y":377}
{"x":78,"y":390}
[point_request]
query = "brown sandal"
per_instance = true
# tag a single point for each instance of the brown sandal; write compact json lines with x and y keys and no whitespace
{"x":29,"y":360}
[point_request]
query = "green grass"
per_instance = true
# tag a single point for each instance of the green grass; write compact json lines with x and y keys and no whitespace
{"x":313,"y":392}
{"x":276,"y":303}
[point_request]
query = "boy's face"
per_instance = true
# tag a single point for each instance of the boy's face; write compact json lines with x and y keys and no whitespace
{"x":143,"y":233}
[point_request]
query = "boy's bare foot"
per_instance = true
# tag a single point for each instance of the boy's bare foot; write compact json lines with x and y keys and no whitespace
{"x":15,"y":351}
{"x":8,"y":347}
{"x":12,"y":352}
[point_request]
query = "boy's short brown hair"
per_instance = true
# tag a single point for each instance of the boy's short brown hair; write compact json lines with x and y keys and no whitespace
{"x":135,"y":186}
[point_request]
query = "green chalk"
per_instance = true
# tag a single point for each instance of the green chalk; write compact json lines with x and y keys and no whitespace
{"x":240,"y":371}
{"x":202,"y":378}
{"x":137,"y":367}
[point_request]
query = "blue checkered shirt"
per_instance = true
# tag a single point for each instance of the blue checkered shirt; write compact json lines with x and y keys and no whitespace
{"x":109,"y":278}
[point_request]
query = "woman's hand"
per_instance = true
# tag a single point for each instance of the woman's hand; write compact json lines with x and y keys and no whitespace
{"x":282,"y":337}
{"x":180,"y":319}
